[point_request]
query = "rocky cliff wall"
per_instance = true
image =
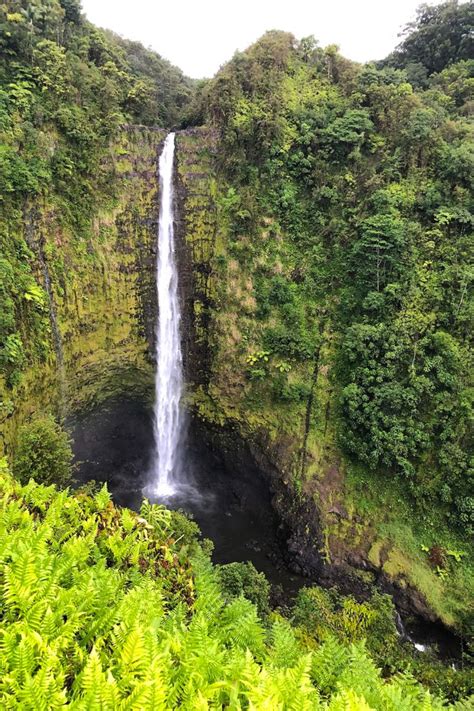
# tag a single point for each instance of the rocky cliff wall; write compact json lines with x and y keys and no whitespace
{"x":99,"y":302}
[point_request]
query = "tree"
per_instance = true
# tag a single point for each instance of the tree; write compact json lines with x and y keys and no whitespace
{"x":72,"y":10}
{"x":439,"y":36}
{"x":377,"y":253}
{"x":238,"y":579}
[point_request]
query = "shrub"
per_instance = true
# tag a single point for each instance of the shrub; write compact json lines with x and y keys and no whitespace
{"x":43,"y":453}
{"x":238,"y":579}
{"x":324,"y":612}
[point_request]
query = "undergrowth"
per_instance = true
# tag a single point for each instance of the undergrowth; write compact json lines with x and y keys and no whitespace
{"x":103,"y":608}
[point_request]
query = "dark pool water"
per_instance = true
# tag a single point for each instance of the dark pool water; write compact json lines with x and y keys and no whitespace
{"x":235,"y":512}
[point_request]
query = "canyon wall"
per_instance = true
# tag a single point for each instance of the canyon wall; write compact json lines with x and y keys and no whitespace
{"x":282,"y":414}
{"x":98,"y":332}
{"x":98,"y":300}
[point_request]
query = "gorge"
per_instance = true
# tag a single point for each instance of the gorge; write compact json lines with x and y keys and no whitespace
{"x":248,"y":299}
{"x":213,"y":475}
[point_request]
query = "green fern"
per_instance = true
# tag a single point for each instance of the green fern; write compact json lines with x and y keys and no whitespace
{"x":99,"y":611}
{"x":285,"y":650}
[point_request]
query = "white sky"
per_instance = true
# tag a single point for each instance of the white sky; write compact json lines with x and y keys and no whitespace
{"x":200,"y":35}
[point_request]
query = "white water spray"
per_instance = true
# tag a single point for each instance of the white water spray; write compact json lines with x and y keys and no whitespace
{"x":168,"y":420}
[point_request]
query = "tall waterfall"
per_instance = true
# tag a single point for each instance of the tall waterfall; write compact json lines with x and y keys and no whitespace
{"x":168,"y":419}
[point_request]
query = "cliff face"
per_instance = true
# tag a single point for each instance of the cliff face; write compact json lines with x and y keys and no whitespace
{"x":197,"y":234}
{"x":99,"y":300}
{"x":97,"y":323}
{"x":222,"y":331}
{"x":233,"y":382}
{"x":282,"y":414}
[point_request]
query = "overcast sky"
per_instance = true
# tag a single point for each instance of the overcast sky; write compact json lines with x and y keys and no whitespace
{"x":200,"y":35}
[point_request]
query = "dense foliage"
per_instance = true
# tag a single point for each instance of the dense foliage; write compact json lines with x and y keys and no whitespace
{"x":66,"y":87}
{"x":441,"y":35}
{"x":100,"y":608}
{"x":161,"y":92}
{"x":236,"y":579}
{"x":349,"y":206}
{"x":43,"y":453}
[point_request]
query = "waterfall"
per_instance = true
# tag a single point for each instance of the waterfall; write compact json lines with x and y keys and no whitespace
{"x":168,"y":418}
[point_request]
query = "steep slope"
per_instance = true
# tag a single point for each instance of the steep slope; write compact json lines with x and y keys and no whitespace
{"x":335,"y":285}
{"x":78,"y":209}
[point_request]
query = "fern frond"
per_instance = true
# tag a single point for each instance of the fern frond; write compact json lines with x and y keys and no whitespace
{"x":348,"y":701}
{"x":328,"y":663}
{"x":241,"y":626}
{"x":285,"y":650}
{"x":132,"y":654}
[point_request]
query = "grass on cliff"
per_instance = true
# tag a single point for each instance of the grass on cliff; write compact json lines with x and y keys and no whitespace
{"x":416,"y":547}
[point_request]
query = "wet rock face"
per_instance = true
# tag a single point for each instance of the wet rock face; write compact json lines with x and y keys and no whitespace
{"x":196,"y":233}
{"x":301,"y":540}
{"x":113,"y":443}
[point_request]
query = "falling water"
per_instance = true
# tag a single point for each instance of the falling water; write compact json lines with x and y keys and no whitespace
{"x":168,"y":421}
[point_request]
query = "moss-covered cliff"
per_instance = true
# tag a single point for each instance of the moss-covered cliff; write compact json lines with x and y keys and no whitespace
{"x":286,"y":201}
{"x":78,"y":209}
{"x":98,"y":300}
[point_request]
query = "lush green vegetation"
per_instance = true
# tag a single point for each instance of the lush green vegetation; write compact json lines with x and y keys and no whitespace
{"x":334,"y":278}
{"x":43,"y":453}
{"x":66,"y":88}
{"x":102,"y":608}
{"x":440,"y":36}
{"x":236,"y":579}
{"x":349,"y":206}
